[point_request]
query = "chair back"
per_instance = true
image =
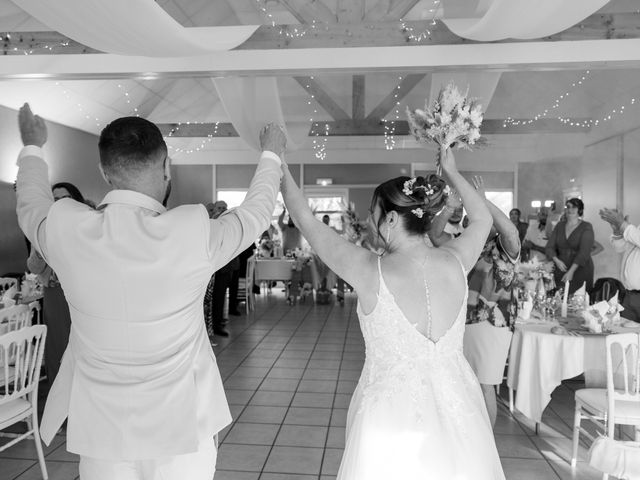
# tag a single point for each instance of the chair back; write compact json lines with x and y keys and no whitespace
{"x":623,"y":371}
{"x":14,"y":318}
{"x":605,"y":288}
{"x":6,"y":283}
{"x":27,"y":347}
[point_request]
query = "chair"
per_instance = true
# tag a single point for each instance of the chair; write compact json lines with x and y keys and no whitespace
{"x":7,"y":282}
{"x":605,"y":288}
{"x":19,"y":384}
{"x":619,"y":403}
{"x":14,"y":318}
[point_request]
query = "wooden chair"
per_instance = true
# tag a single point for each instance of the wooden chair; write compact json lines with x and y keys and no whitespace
{"x":619,"y":402}
{"x":14,"y":318}
{"x":19,"y":379}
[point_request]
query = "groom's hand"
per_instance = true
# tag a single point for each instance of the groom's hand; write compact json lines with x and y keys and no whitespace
{"x":32,"y":128}
{"x":272,"y":138}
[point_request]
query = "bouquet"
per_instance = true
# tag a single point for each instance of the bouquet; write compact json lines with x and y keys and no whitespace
{"x":452,"y":121}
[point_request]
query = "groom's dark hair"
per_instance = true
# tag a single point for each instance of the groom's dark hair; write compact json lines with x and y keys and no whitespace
{"x":130,"y":144}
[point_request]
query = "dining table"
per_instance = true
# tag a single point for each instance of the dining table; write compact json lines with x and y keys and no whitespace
{"x":542,"y":356}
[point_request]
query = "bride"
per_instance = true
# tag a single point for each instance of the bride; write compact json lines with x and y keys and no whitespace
{"x":417,"y":411}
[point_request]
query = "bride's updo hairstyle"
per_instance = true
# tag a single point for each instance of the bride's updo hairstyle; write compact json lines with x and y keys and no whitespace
{"x":416,"y":200}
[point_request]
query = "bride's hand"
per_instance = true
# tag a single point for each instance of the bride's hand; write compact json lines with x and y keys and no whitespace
{"x":447,"y":160}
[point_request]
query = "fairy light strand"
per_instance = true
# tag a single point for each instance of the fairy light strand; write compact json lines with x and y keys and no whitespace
{"x":319,"y":145}
{"x":390,"y":125}
{"x":203,"y":143}
{"x":294,"y":32}
{"x":418,"y":37}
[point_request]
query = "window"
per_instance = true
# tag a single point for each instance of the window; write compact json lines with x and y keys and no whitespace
{"x":325,"y":201}
{"x":503,"y":200}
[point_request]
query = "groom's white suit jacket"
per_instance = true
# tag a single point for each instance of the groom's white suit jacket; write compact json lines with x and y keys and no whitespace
{"x":139,"y":379}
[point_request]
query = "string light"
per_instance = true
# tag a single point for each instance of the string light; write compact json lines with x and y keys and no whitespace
{"x":9,"y":48}
{"x":203,"y":143}
{"x":319,"y":145}
{"x":410,"y":31}
{"x":79,"y":106}
{"x":587,"y":123}
{"x":556,"y":104}
{"x":390,"y":125}
{"x":128,"y":99}
{"x":295,"y":32}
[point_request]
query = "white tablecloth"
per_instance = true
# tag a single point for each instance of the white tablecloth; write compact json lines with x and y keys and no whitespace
{"x":539,"y":360}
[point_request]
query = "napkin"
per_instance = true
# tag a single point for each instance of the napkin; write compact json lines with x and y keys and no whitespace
{"x":8,"y":297}
{"x":594,"y":316}
{"x":527,"y":306}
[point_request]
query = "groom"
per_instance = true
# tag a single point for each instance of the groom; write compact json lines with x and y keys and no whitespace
{"x":139,"y":381}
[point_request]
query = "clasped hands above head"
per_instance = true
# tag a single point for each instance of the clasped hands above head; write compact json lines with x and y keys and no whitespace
{"x":273,"y":138}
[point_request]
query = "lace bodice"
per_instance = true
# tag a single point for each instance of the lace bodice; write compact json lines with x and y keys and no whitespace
{"x":400,"y":359}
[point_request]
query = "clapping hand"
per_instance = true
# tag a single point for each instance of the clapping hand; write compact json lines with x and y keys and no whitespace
{"x":453,"y":200}
{"x":32,"y":128}
{"x":614,"y":218}
{"x":273,"y":138}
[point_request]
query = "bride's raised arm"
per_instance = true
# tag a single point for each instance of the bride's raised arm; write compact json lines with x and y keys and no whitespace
{"x":468,"y":245}
{"x":344,"y":258}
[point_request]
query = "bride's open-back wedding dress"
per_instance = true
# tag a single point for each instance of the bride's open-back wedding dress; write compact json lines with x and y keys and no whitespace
{"x":418,"y":411}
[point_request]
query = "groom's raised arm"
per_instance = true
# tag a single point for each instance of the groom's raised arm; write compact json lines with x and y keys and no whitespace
{"x":33,"y":190}
{"x":235,"y":230}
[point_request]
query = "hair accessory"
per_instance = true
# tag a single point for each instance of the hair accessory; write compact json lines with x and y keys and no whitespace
{"x":418,"y":212}
{"x":409,"y":188}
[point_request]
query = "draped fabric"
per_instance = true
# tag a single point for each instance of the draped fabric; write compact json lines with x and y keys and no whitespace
{"x":524,"y":19}
{"x":250,"y":103}
{"x":128,"y":27}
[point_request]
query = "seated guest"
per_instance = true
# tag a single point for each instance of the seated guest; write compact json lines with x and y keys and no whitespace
{"x":626,"y":240}
{"x":570,"y":246}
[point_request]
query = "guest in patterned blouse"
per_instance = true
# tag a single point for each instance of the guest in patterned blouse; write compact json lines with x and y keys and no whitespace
{"x":489,"y":315}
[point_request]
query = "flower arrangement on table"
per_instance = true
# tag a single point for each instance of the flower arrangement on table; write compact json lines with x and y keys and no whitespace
{"x":265,"y":247}
{"x":453,"y":120}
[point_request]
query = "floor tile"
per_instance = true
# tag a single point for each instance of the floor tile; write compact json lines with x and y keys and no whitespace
{"x":308,"y":416}
{"x":336,"y":438}
{"x":231,"y":475}
{"x":55,"y":470}
{"x":10,"y":468}
{"x":252,"y":433}
{"x":310,"y":399}
{"x":331,"y":461}
{"x":302,"y":436}
{"x":528,"y":469}
{"x":271,"y":398}
{"x":294,"y":460}
{"x":246,"y":458}
{"x":286,"y":476}
{"x":260,"y":414}
{"x":26,"y":449}
{"x":238,"y":397}
{"x":319,"y":386}
{"x":516,"y":446}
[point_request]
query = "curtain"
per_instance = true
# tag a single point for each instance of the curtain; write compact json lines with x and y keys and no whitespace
{"x":132,"y":27}
{"x":524,"y":19}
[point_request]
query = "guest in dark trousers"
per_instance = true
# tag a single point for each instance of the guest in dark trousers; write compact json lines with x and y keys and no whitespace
{"x":626,"y":240}
{"x":218,"y":285}
{"x":240,"y":272}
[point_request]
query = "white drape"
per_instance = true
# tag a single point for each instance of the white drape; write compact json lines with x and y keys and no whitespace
{"x":524,"y":19}
{"x":250,"y":103}
{"x":132,"y":27}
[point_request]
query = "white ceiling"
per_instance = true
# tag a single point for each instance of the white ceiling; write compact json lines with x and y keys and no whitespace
{"x":89,"y":104}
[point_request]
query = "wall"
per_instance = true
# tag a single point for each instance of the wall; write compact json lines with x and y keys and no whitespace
{"x":72,"y":156}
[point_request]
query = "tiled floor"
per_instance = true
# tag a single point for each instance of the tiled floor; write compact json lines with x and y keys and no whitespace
{"x":289,"y":373}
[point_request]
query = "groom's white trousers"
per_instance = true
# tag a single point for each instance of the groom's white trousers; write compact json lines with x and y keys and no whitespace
{"x":200,"y":465}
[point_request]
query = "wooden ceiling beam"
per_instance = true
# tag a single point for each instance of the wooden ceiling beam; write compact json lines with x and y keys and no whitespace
{"x":350,"y":11}
{"x":321,"y":96}
{"x":378,"y":11}
{"x":358,"y":97}
{"x":397,"y":94}
{"x":309,"y":11}
{"x":399,"y":8}
{"x":349,"y":127}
